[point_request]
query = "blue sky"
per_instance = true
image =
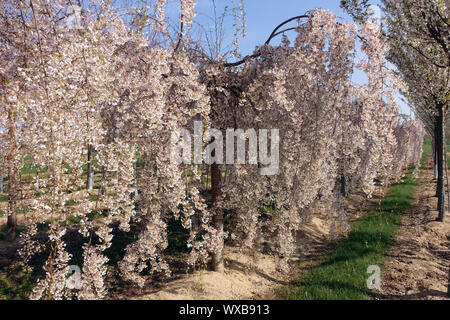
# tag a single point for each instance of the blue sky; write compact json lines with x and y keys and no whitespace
{"x":262,"y":16}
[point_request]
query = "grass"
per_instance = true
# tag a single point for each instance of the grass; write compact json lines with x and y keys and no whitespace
{"x":343,"y":274}
{"x":4,"y":232}
{"x":427,"y":145}
{"x":16,"y":285}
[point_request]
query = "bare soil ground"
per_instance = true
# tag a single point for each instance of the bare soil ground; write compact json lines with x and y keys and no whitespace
{"x":418,"y":266}
{"x":248,"y":275}
{"x":251,"y":275}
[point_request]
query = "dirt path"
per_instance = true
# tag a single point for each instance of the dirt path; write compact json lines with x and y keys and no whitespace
{"x":418,"y":267}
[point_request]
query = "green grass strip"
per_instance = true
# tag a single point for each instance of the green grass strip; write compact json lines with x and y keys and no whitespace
{"x":343,"y":274}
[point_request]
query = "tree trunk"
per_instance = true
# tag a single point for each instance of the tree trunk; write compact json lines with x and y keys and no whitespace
{"x":135,"y":193}
{"x":436,"y":155}
{"x":104,"y":182}
{"x":448,"y":283}
{"x":11,"y":223}
{"x":446,"y":172}
{"x":441,"y":159}
{"x":433,"y":145}
{"x":344,"y":185}
{"x":217,"y":220}
{"x":90,"y":178}
{"x":448,"y":208}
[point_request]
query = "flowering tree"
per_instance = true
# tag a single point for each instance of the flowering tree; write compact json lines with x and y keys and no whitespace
{"x":120,"y":84}
{"x":418,"y":34}
{"x":330,"y":126}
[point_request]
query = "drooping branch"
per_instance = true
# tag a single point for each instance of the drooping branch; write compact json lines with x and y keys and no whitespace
{"x":272,"y":35}
{"x":274,"y":32}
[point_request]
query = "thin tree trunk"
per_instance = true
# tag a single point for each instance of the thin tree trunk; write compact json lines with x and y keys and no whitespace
{"x":435,"y":167}
{"x":89,"y":179}
{"x":441,"y":159}
{"x":344,"y":185}
{"x":11,"y":223}
{"x":217,"y":220}
{"x":434,"y":156}
{"x":103,"y":187}
{"x":134,"y":194}
{"x":448,"y":283}
{"x":448,"y":205}
{"x":446,"y":173}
